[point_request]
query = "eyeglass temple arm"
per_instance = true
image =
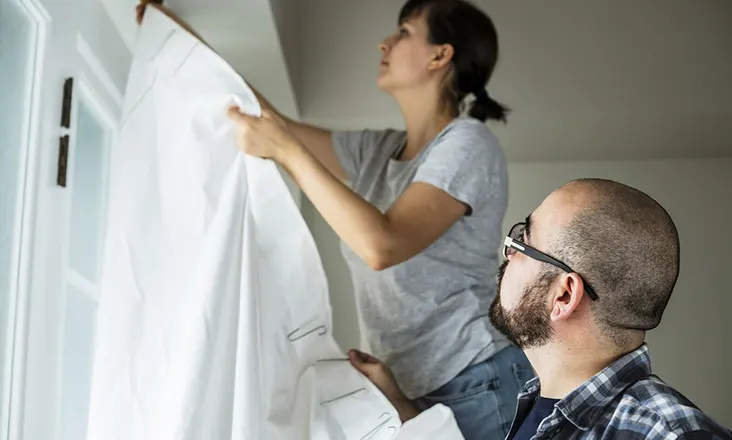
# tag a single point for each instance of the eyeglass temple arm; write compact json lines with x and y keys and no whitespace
{"x":536,"y":255}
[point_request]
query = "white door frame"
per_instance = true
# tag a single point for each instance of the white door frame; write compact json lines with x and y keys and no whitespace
{"x":33,"y":390}
{"x":13,"y":369}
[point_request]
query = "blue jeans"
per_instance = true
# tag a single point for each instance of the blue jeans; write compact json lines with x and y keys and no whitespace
{"x":484,"y":396}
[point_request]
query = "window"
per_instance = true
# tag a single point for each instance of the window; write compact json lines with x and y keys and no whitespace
{"x":88,"y":185}
{"x":18,"y":56}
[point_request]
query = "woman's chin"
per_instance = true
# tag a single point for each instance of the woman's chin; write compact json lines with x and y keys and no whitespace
{"x":384,"y":83}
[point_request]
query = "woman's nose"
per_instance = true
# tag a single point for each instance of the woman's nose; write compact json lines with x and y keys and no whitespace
{"x":385,"y":44}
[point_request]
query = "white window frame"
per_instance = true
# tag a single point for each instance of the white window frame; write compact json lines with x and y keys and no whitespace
{"x":20,"y":400}
{"x":84,"y":90}
{"x":13,"y":368}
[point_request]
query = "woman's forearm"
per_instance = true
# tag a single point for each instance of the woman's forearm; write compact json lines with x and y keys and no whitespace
{"x":358,"y":223}
{"x":419,"y":217}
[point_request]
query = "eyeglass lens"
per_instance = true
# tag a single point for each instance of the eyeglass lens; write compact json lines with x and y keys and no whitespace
{"x":516,"y":233}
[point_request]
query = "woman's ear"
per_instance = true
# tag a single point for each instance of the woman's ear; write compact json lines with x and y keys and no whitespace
{"x":566,"y":296}
{"x":442,"y":56}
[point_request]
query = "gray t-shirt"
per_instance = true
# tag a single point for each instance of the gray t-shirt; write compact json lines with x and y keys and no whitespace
{"x":427,"y":317}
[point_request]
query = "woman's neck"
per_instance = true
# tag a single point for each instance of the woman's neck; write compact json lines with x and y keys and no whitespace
{"x":423,"y":123}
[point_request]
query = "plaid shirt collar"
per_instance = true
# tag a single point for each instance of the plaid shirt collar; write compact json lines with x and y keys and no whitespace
{"x":583,"y":406}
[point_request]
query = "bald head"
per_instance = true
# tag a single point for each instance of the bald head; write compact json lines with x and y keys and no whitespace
{"x":627,"y":248}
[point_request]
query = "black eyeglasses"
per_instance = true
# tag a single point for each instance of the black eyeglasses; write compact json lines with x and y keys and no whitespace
{"x":514,"y":243}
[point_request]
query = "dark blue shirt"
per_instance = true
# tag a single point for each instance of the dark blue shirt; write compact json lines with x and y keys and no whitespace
{"x":542,"y":409}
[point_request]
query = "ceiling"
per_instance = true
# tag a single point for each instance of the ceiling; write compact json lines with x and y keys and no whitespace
{"x":612,"y":80}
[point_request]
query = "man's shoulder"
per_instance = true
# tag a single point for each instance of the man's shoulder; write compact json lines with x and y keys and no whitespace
{"x":652,"y":406}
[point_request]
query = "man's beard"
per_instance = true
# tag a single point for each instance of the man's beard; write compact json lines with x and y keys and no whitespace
{"x":528,"y":324}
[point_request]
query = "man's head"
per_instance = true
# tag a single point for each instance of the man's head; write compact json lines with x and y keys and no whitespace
{"x":613,"y":237}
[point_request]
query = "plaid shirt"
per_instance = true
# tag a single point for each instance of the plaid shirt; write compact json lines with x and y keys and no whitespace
{"x":624,"y":401}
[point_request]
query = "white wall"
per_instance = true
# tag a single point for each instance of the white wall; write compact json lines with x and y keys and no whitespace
{"x":691,"y":349}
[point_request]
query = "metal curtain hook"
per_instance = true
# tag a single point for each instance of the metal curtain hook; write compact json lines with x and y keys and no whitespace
{"x":295,"y":334}
{"x":379,"y":426}
{"x":343,"y":396}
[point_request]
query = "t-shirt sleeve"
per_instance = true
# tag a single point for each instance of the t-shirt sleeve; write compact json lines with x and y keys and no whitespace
{"x":356,"y":148}
{"x":348,"y":147}
{"x":467,"y":163}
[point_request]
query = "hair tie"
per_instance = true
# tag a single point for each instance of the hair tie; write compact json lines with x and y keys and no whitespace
{"x":481,"y":95}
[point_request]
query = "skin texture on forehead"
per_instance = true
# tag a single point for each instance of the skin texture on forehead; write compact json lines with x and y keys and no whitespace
{"x":554,"y":213}
{"x":415,"y":26}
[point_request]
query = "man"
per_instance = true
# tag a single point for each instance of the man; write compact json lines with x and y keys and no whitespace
{"x":588,"y":273}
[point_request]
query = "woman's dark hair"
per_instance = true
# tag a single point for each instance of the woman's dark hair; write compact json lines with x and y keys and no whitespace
{"x":475,"y":43}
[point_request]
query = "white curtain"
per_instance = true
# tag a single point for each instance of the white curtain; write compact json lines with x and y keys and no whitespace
{"x":214,"y":321}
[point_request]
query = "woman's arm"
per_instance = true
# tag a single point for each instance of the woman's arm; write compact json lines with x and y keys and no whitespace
{"x":382,"y":376}
{"x":417,"y":219}
{"x":319,"y":143}
{"x":420,"y":216}
{"x":317,"y":140}
{"x":436,"y":422}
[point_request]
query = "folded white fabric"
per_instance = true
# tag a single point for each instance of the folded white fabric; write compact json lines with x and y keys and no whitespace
{"x":214,"y":321}
{"x":437,"y":422}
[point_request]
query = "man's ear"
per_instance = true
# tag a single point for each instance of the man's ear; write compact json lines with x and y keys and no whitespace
{"x":442,"y":56}
{"x":566,"y":296}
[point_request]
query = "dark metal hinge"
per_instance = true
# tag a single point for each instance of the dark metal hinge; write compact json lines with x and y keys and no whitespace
{"x":63,"y":149}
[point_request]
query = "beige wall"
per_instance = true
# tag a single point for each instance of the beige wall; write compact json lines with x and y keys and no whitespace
{"x":691,"y":349}
{"x":345,"y":320}
{"x":562,"y":63}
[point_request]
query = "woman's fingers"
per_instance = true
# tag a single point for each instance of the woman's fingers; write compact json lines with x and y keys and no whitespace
{"x":365,"y":363}
{"x":379,"y":374}
{"x":237,"y":116}
{"x":369,"y":358}
{"x":357,"y":362}
{"x":140,"y":9}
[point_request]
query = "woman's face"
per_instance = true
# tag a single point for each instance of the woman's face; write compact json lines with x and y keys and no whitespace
{"x":407,"y":58}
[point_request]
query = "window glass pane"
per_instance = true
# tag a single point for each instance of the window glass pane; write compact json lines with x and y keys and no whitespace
{"x":88,"y":186}
{"x":78,"y":346}
{"x":17,"y":49}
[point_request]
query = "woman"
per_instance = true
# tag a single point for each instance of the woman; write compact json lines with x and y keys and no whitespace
{"x":421,"y":222}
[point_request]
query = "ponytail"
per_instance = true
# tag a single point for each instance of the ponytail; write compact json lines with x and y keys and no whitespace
{"x":484,"y":107}
{"x":474,"y":39}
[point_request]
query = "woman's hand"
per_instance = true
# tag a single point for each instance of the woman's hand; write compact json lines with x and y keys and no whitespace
{"x":267,"y":136}
{"x":381,"y":376}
